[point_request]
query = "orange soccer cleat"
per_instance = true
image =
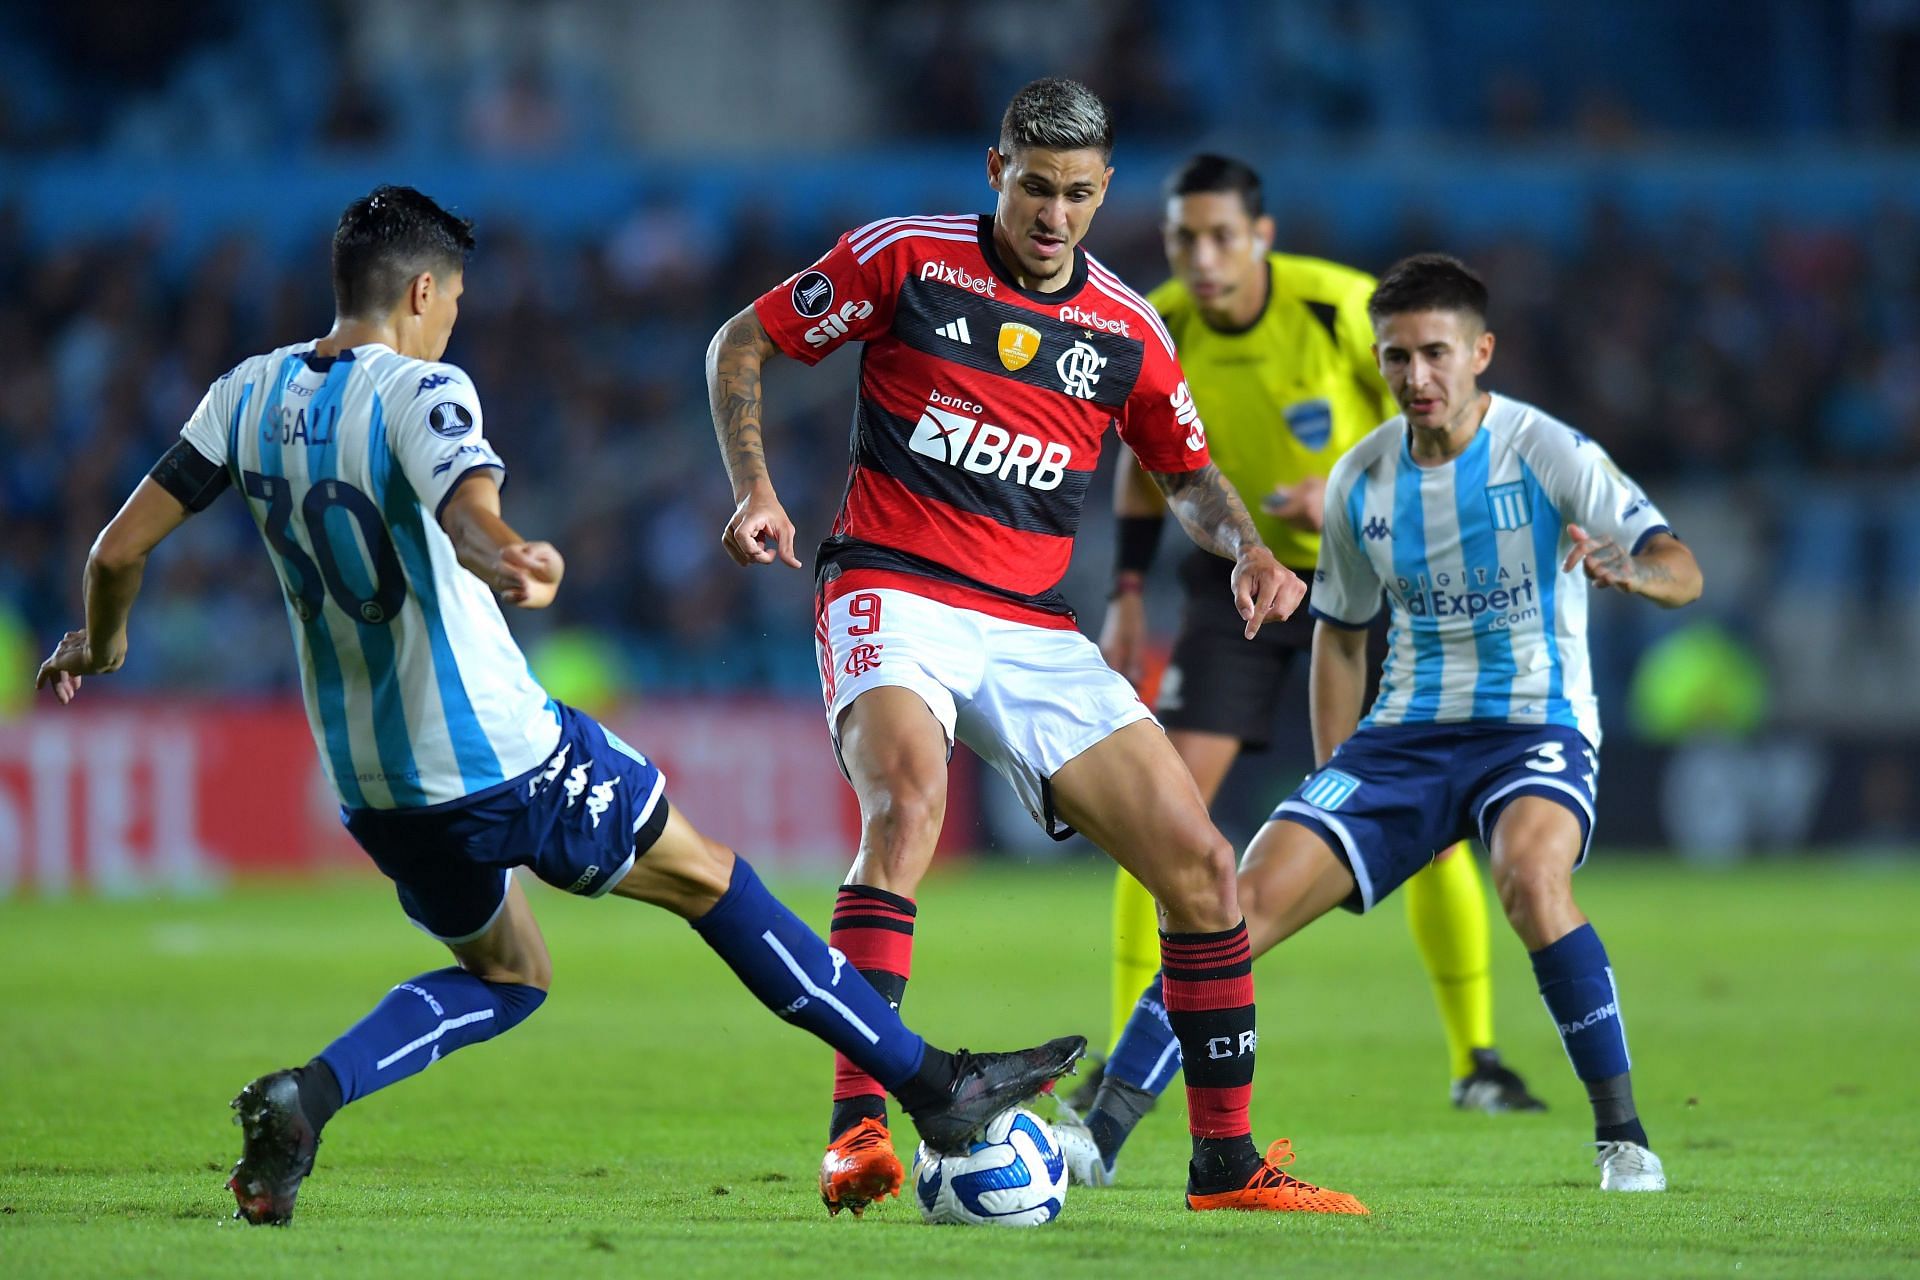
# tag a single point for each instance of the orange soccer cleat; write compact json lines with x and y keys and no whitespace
{"x":859,"y":1168}
{"x":1276,"y":1192}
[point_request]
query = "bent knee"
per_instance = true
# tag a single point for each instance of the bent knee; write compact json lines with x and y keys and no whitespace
{"x":900,"y":820}
{"x":526,"y":966}
{"x":1199,"y":884}
{"x":1531,"y":888}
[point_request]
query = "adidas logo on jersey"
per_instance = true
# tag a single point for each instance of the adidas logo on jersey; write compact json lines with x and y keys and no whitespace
{"x":963,"y":441}
{"x":957,"y":331}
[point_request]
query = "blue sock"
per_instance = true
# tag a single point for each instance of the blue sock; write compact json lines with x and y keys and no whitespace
{"x":421,"y":1021}
{"x":1577,"y":983}
{"x":807,"y":983}
{"x":1147,"y":1055}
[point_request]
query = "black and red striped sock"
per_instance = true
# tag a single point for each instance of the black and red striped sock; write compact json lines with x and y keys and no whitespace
{"x":1207,"y":983}
{"x":873,"y":929}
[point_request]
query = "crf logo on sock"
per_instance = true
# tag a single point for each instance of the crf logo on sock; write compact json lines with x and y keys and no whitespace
{"x":1223,"y":1046}
{"x":1609,"y":1010}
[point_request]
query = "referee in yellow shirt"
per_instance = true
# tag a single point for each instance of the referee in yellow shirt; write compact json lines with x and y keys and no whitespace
{"x":1277,"y":350}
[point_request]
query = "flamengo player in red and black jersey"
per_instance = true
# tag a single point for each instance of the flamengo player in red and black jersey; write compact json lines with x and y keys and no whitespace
{"x":997,"y":354}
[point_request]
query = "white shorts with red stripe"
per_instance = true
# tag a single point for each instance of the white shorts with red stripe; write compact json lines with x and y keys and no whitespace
{"x":1026,"y":699}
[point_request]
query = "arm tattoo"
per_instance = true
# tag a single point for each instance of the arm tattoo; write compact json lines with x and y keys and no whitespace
{"x":1209,"y":509}
{"x":733,"y":391}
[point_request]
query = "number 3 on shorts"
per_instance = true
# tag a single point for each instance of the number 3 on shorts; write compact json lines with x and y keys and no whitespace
{"x":866,"y":607}
{"x":1549,"y":757}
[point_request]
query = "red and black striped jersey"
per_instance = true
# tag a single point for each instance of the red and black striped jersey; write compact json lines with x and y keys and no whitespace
{"x":981,"y":411}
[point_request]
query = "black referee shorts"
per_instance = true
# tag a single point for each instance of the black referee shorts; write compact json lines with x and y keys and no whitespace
{"x":1217,"y":680}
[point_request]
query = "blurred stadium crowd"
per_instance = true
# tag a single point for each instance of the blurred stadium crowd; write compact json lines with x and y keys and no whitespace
{"x":1706,"y":348}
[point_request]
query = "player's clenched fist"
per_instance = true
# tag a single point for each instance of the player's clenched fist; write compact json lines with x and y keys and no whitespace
{"x":1264,"y":590}
{"x":760,"y":531}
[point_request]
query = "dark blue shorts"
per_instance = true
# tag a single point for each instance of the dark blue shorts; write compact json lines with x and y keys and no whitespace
{"x":579,"y":821}
{"x":1395,"y":795}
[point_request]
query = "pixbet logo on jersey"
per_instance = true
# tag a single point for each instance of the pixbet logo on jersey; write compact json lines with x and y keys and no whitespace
{"x":959,"y":277}
{"x":1074,"y":315}
{"x":961,"y":439}
{"x":837,"y":324}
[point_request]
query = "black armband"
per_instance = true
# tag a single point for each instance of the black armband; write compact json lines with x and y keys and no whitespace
{"x":185,"y":472}
{"x":1139,"y":538}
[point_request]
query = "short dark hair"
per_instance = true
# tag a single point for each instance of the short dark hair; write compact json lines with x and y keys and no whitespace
{"x":1428,"y":282}
{"x":1058,"y":114}
{"x":386,"y":238}
{"x":1209,"y":174}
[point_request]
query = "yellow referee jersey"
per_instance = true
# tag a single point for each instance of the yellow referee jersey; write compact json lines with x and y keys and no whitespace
{"x":1283,"y":398}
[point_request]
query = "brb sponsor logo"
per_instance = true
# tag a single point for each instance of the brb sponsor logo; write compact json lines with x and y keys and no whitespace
{"x":1083,"y":319}
{"x":837,"y":324}
{"x":1510,"y":598}
{"x":959,"y":277}
{"x":951,"y":431}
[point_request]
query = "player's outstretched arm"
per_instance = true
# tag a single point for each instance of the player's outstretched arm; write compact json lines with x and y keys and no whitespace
{"x":1664,"y":571}
{"x":115,"y":566}
{"x":1211,"y":512}
{"x":522,"y":573}
{"x":734,"y":360}
{"x":1336,"y":686}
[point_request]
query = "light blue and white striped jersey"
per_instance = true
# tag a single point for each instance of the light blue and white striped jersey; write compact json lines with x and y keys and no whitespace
{"x":415,"y":689}
{"x":1485,"y":626}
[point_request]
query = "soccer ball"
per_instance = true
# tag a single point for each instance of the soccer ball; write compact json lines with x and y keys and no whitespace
{"x":1014,"y":1175}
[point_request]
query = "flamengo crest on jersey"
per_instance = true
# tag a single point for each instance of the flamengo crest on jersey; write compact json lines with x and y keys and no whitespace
{"x":415,"y":690}
{"x":982,"y":406}
{"x":1485,"y":626}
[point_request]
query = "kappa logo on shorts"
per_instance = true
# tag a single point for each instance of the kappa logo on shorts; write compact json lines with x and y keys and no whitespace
{"x":1329,"y":789}
{"x":863,"y":658}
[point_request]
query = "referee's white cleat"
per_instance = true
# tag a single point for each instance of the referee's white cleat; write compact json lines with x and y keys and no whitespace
{"x":1628,"y":1166}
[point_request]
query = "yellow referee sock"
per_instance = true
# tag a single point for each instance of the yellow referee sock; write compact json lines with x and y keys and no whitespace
{"x":1447,"y":910}
{"x":1136,"y":945}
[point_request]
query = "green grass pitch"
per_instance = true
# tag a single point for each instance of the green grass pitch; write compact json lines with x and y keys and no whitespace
{"x":653,"y":1120}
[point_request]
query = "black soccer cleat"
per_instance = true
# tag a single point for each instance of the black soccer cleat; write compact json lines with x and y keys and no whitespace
{"x":987,"y":1084}
{"x":1493,"y":1087}
{"x":276,"y":1153}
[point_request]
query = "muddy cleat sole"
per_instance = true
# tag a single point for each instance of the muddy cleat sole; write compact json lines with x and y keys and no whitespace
{"x":987,"y":1084}
{"x":276,"y":1152}
{"x":860,"y":1168}
{"x":1271,"y":1191}
{"x":1493,"y":1087}
{"x":1628,"y":1166}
